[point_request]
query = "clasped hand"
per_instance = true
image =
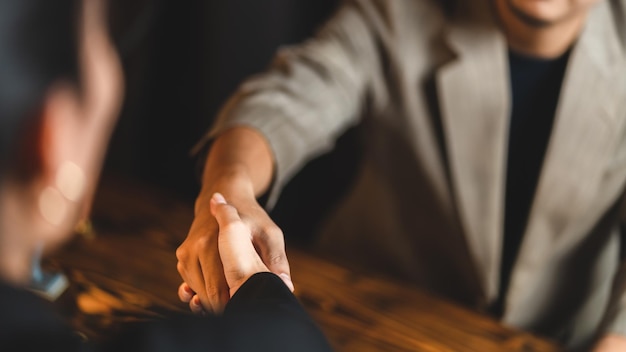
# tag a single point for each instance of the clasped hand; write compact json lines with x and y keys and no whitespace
{"x":223,"y":249}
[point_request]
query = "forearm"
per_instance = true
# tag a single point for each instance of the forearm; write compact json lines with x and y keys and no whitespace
{"x":302,"y":104}
{"x":240,"y":161}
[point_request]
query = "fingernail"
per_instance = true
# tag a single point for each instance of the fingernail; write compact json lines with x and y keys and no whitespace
{"x":186,"y":296}
{"x":196,"y":300}
{"x":187,"y":289}
{"x":219,"y":198}
{"x":287,"y":279}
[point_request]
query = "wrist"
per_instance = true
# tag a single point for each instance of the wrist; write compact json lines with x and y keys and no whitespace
{"x":233,"y":183}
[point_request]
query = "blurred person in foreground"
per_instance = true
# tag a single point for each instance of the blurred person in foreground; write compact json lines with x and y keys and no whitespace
{"x":494,"y":156}
{"x":60,"y":91}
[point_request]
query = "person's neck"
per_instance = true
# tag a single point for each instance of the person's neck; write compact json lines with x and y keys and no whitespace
{"x":542,"y":41}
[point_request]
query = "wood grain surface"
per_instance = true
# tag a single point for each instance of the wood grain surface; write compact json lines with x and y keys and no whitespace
{"x":127,"y":272}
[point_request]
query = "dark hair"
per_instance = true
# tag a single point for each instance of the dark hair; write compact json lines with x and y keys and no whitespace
{"x":39,"y":42}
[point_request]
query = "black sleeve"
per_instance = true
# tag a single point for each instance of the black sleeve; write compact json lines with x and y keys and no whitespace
{"x":29,"y":323}
{"x":262,"y":316}
{"x":265,"y":316}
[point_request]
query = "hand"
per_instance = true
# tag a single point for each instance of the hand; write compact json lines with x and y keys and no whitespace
{"x":239,"y":258}
{"x":611,"y":343}
{"x":205,"y":287}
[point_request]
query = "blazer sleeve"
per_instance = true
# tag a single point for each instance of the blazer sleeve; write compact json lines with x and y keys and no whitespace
{"x":263,"y":316}
{"x":310,"y":94}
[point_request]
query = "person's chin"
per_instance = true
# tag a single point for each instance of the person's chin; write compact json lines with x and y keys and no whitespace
{"x":536,"y":13}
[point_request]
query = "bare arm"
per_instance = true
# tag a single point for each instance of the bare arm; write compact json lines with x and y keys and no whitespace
{"x":240,"y":155}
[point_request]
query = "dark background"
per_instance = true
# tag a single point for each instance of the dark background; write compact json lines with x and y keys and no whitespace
{"x":182,"y":60}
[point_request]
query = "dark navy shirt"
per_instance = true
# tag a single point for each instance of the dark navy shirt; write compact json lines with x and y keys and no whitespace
{"x":535,"y":87}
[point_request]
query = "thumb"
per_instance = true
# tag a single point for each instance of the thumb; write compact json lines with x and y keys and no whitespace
{"x":239,"y":258}
{"x":224,"y":213}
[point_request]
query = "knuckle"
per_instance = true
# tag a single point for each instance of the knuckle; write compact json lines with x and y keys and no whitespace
{"x":272,"y":230}
{"x":272,"y":234}
{"x":181,"y":254}
{"x":277,"y":258}
{"x":277,"y":232}
{"x":204,"y":242}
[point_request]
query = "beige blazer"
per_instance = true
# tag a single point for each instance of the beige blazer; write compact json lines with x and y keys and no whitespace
{"x":430,"y":86}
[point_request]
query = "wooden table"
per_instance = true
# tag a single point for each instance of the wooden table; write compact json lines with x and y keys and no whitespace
{"x":128,"y":272}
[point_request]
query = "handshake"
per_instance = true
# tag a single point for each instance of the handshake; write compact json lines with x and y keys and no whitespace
{"x":222,"y":252}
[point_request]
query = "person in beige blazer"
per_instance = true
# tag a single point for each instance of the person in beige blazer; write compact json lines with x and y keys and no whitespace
{"x":430,"y":83}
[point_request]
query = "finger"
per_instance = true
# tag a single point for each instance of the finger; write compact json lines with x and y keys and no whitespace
{"x":180,"y":267}
{"x":198,"y":244}
{"x":234,"y":236}
{"x":185,"y":293}
{"x":192,"y":275}
{"x":200,"y":282}
{"x":231,"y":229}
{"x":216,"y":287}
{"x":271,"y":244}
{"x":239,"y":258}
{"x":195,"y":305}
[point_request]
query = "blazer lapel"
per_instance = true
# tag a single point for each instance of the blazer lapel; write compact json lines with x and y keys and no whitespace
{"x":585,"y":133}
{"x":474,"y":99}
